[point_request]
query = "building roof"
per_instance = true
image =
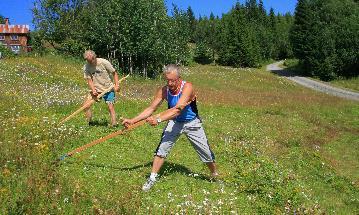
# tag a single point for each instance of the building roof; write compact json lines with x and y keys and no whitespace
{"x":13,"y":29}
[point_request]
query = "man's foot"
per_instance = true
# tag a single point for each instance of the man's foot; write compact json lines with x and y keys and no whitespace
{"x":149,"y":183}
{"x":214,"y":177}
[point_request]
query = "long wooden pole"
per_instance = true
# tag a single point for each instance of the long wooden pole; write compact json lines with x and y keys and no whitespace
{"x":89,"y":103}
{"x":102,"y":139}
{"x":120,"y":132}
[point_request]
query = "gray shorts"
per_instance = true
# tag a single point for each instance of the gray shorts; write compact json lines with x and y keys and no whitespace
{"x":194,"y":132}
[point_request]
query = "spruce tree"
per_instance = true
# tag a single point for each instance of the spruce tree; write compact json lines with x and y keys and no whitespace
{"x":192,"y":22}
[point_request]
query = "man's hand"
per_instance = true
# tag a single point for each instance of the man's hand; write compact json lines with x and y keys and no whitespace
{"x":152,"y":121}
{"x":94,"y":93}
{"x":127,"y":122}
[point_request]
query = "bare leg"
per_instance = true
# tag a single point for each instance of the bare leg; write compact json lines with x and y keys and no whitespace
{"x":157,"y":164}
{"x":212,"y":167}
{"x":88,"y":112}
{"x":111,"y":109}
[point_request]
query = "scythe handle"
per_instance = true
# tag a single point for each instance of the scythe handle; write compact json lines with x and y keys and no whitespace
{"x":102,"y":139}
{"x":91,"y":102}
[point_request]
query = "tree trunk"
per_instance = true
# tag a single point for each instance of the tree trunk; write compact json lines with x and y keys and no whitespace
{"x":144,"y":68}
{"x":130,"y":64}
{"x":122,"y":61}
{"x":214,"y":60}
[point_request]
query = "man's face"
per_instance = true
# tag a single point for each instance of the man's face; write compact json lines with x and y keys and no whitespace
{"x":90,"y":59}
{"x":173,"y":81}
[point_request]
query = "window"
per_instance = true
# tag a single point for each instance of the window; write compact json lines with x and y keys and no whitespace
{"x":2,"y":37}
{"x":14,"y":37}
{"x":15,"y":48}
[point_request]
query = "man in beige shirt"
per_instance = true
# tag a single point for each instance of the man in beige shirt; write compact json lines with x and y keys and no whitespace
{"x":100,"y":76}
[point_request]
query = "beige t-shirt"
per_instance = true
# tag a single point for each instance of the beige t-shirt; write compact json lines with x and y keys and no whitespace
{"x":101,"y":74}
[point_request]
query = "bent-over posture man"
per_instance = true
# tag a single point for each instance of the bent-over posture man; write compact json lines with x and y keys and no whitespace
{"x":182,"y":116}
{"x":100,"y":75}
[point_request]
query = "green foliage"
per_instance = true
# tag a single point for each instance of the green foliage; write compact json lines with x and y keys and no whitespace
{"x":192,"y":23}
{"x":179,"y":32}
{"x":6,"y":52}
{"x":142,"y":41}
{"x":145,"y":39}
{"x":323,"y":37}
{"x":202,"y":54}
{"x":240,"y":46}
{"x":248,"y":36}
{"x":37,"y":42}
{"x":2,"y":19}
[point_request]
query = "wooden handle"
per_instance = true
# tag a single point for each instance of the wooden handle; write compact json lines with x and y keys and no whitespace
{"x":114,"y":134}
{"x":102,"y":139}
{"x":86,"y":105}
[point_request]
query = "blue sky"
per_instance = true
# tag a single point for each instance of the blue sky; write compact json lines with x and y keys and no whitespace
{"x":19,"y":11}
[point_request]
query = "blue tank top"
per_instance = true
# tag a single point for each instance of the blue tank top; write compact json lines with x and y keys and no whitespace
{"x":189,"y":112}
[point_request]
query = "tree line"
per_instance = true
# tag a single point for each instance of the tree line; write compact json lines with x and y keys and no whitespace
{"x":325,"y":37}
{"x":140,"y":37}
{"x":244,"y":37}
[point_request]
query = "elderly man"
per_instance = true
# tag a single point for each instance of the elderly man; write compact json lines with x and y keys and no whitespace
{"x":182,"y":117}
{"x":100,"y":75}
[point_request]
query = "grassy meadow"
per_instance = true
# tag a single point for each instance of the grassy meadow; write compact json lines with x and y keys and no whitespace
{"x":280,"y":148}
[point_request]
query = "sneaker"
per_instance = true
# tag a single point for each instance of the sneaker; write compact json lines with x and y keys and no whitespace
{"x":149,"y":183}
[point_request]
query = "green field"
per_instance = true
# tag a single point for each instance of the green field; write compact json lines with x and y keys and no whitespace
{"x":280,"y":148}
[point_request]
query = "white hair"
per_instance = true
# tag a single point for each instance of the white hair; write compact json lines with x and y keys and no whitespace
{"x":172,"y":68}
{"x":89,"y":52}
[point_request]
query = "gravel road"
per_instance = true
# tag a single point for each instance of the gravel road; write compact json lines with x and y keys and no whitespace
{"x":315,"y":85}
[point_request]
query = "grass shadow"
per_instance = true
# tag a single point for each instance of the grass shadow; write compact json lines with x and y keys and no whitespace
{"x":284,"y":72}
{"x":98,"y":123}
{"x":167,"y":169}
{"x":170,"y":168}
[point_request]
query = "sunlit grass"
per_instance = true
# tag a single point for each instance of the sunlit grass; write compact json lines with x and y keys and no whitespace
{"x":280,"y":148}
{"x":352,"y":83}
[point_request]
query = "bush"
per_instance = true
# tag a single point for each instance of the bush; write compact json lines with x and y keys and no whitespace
{"x":5,"y":52}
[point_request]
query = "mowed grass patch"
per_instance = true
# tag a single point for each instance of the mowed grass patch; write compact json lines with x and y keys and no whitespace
{"x":280,"y":148}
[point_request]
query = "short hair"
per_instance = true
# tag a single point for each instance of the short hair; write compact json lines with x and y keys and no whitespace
{"x":172,"y":68}
{"x":89,"y":52}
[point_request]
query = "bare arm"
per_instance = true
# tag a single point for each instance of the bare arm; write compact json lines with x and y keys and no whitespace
{"x":156,"y":102}
{"x":92,"y":87}
{"x":115,"y":77}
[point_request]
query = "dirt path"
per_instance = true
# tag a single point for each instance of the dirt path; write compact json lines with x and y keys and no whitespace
{"x":319,"y":86}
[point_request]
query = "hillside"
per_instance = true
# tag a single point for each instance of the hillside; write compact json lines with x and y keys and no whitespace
{"x":280,"y":148}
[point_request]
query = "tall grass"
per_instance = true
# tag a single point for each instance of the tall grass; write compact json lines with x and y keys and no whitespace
{"x":280,"y":148}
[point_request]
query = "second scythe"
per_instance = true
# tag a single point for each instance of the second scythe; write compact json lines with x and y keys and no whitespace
{"x":90,"y":102}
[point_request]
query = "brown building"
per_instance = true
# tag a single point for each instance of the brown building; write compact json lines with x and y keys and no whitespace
{"x":15,"y":37}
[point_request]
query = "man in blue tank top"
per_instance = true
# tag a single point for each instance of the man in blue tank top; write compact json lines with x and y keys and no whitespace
{"x":182,"y":117}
